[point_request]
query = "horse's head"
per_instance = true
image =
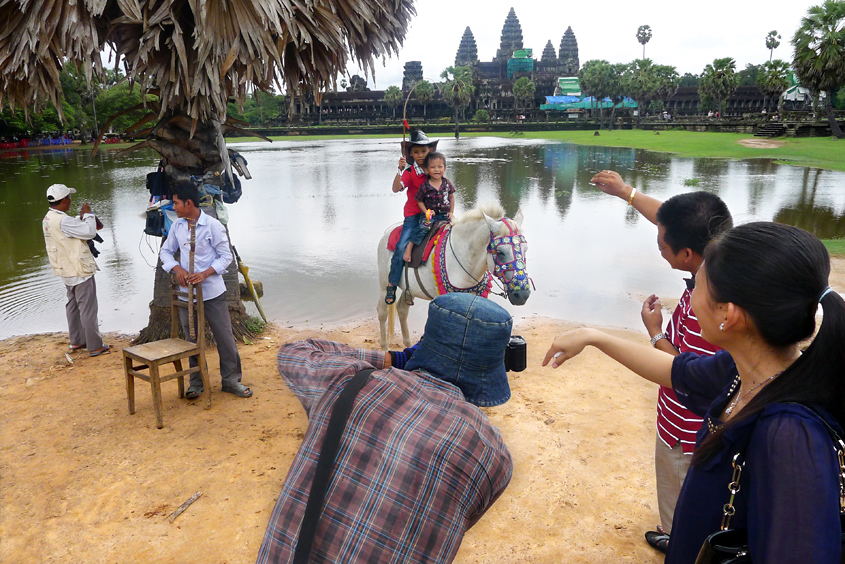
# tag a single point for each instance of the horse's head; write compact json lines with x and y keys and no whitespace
{"x":506,"y":257}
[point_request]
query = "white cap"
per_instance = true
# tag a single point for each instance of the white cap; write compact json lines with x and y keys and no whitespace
{"x":58,"y":192}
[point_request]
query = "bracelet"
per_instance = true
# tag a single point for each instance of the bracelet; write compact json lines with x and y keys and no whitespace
{"x":631,"y":197}
{"x":658,"y":337}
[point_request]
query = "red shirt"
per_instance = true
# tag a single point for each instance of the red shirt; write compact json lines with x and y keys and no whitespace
{"x":412,"y":179}
{"x":675,"y":423}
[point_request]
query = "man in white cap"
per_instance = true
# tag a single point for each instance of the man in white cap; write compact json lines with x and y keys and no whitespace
{"x":66,"y":239}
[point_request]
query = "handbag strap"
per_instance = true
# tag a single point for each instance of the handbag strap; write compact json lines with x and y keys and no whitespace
{"x":341,"y":410}
{"x":738,"y":463}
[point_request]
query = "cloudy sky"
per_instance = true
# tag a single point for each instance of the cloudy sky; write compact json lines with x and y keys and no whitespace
{"x":687,"y":36}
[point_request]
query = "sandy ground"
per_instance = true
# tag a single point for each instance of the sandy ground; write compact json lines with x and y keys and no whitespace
{"x":84,"y":481}
{"x":757,"y":143}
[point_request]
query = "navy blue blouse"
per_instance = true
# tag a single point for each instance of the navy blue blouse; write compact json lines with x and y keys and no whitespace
{"x":789,"y":496}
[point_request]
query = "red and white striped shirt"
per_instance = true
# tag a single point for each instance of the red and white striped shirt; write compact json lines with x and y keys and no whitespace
{"x":675,"y":423}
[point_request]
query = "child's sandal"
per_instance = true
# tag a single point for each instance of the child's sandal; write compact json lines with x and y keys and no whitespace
{"x":391,"y":295}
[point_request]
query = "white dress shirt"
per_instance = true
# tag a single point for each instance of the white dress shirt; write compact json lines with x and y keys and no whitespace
{"x":212,"y":250}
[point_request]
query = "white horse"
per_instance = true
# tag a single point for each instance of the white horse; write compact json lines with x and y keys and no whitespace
{"x":479,"y":241}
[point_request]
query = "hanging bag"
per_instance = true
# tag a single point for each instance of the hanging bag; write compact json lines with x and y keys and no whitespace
{"x":730,"y":546}
{"x":157,"y":182}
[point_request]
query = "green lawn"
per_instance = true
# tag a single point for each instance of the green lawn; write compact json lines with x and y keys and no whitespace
{"x":836,"y":247}
{"x":817,"y":152}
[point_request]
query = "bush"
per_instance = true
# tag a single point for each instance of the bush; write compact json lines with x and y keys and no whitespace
{"x":481,"y":116}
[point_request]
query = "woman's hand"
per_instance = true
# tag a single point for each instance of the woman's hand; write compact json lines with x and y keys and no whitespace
{"x":567,"y":346}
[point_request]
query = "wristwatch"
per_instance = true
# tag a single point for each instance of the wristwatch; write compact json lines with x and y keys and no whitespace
{"x":658,"y":337}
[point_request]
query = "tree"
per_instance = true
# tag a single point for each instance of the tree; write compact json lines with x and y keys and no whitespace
{"x":457,"y":90}
{"x":393,"y":97}
{"x":616,"y":88}
{"x":644,"y":36}
{"x":773,"y":80}
{"x":424,"y":92}
{"x":523,"y":92}
{"x":481,"y":116}
{"x":748,"y":76}
{"x":596,"y":79}
{"x":641,"y":84}
{"x":667,"y":82}
{"x":772,"y":42}
{"x":689,"y":79}
{"x":718,"y":82}
{"x":819,"y":59}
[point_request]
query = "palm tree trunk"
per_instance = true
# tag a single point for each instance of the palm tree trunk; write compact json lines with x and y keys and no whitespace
{"x":457,"y":133}
{"x":612,"y":118}
{"x":831,"y":117}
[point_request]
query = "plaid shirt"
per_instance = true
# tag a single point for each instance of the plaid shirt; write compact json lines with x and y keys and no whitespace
{"x":417,"y":465}
{"x":436,"y":199}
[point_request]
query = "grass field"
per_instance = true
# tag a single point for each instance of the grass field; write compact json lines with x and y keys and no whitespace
{"x":817,"y":152}
{"x":836,"y":247}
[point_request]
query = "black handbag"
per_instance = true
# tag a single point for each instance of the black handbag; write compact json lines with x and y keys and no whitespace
{"x":730,"y":546}
{"x":155,"y":223}
{"x":157,"y":182}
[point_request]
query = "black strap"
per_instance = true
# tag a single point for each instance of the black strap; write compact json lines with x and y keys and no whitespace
{"x":325,"y":463}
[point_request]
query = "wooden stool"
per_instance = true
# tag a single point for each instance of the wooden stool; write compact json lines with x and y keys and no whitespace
{"x":153,"y":355}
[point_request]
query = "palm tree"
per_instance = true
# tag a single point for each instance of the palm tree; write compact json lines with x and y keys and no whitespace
{"x":773,"y":80}
{"x":424,"y":92}
{"x":819,"y":60}
{"x":457,"y":90}
{"x":667,"y":82}
{"x":641,"y":84}
{"x":523,"y":92}
{"x":393,"y":97}
{"x":772,"y":42}
{"x":194,"y":56}
{"x":644,"y":36}
{"x":719,"y":81}
{"x":596,"y":79}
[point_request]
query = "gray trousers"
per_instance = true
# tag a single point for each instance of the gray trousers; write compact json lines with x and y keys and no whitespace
{"x":81,"y":309}
{"x":217,"y":315}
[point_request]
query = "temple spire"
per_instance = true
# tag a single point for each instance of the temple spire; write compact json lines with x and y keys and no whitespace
{"x":549,"y":52}
{"x":511,"y":37}
{"x":467,"y":51}
{"x":568,"y":55}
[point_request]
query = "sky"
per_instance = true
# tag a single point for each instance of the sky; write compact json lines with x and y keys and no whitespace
{"x":687,"y":38}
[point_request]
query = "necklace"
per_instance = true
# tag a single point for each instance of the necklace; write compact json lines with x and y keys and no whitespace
{"x":745,"y":393}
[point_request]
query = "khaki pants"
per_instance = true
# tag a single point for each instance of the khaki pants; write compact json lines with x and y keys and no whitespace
{"x":670,"y":467}
{"x":81,"y":310}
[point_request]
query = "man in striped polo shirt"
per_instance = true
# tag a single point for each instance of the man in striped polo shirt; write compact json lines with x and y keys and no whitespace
{"x":685,"y":224}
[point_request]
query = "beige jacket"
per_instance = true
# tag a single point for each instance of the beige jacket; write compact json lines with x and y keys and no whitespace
{"x":69,"y":256}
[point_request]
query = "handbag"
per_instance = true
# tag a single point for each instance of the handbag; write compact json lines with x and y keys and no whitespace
{"x":155,"y":223}
{"x":730,"y":546}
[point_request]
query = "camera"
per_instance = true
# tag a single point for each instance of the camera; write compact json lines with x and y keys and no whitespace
{"x":516,"y":354}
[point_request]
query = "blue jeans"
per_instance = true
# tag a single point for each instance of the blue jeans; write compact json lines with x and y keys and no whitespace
{"x":422,"y":229}
{"x":397,"y":262}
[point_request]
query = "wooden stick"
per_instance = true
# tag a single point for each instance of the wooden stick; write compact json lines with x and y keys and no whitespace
{"x":191,"y":329}
{"x":405,"y":115}
{"x":181,"y":509}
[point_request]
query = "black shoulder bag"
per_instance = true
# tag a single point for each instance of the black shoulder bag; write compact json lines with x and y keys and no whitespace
{"x":730,"y":546}
{"x":341,"y":410}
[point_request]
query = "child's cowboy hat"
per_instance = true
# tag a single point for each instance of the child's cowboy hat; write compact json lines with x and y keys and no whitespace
{"x":417,"y":138}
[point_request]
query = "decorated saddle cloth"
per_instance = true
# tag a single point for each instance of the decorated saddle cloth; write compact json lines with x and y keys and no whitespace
{"x":421,"y":252}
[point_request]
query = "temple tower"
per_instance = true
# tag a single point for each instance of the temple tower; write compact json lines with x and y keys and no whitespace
{"x":467,"y":51}
{"x":568,"y":55}
{"x":511,"y":37}
{"x":413,"y":74}
{"x":549,"y":54}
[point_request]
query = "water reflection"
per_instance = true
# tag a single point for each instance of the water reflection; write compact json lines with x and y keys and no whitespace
{"x":308,"y":223}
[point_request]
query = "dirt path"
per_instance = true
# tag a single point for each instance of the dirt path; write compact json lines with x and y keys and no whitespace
{"x":83,"y":481}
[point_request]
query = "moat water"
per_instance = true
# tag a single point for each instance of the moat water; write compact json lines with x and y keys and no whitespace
{"x":309,"y":221}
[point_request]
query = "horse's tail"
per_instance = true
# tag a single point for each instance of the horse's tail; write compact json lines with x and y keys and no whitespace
{"x":391,"y":320}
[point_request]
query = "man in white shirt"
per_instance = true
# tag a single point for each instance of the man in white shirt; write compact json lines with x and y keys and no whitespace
{"x":211,"y":257}
{"x":66,"y":239}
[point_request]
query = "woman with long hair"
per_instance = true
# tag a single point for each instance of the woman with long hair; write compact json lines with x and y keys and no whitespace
{"x":762,"y":398}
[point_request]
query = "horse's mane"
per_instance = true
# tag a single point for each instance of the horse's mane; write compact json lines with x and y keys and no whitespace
{"x":493,"y":210}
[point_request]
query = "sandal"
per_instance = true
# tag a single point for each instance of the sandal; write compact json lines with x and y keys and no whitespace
{"x":193,"y":392}
{"x":74,"y":348}
{"x":391,"y":295}
{"x":238,"y":389}
{"x":657,"y":540}
{"x":103,"y":350}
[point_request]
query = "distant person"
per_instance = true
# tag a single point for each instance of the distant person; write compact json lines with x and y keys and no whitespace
{"x":767,"y":405}
{"x":211,"y":258}
{"x":66,"y":238}
{"x":418,"y":463}
{"x":411,"y":177}
{"x":436,"y":195}
{"x":686,"y":223}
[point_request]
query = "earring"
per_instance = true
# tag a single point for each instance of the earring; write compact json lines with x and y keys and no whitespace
{"x":722,"y":326}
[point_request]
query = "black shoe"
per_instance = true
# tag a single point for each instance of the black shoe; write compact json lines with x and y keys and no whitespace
{"x":657,"y":540}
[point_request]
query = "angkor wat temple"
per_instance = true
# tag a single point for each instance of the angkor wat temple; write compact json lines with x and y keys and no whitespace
{"x":493,"y":79}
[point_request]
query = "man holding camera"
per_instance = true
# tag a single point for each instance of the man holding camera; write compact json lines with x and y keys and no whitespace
{"x":418,"y":463}
{"x":66,"y":238}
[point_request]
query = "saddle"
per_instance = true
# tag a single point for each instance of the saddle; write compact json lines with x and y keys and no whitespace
{"x":421,"y":252}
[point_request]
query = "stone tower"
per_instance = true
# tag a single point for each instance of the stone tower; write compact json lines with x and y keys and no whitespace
{"x":511,"y":37}
{"x":549,"y":54}
{"x":467,"y":51}
{"x":413,"y":74}
{"x":569,"y":53}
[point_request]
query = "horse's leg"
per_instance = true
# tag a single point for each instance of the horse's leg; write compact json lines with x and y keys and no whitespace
{"x":382,"y":309}
{"x":402,"y":308}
